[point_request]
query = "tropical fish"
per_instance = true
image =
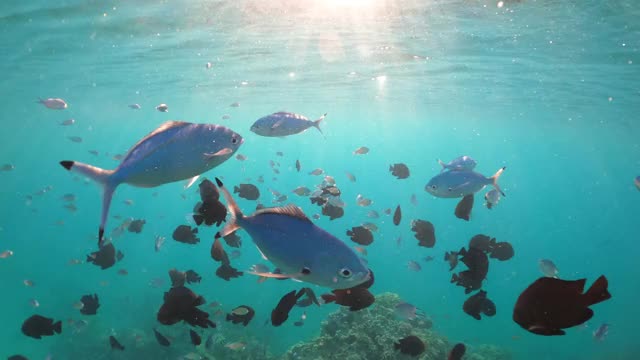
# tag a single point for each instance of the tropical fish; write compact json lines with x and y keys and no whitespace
{"x":298,"y":166}
{"x":68,"y":122}
{"x":175,"y":151}
{"x":502,"y":251}
{"x":410,"y":345}
{"x":6,"y":254}
{"x":115,"y":344}
{"x":399,"y":170}
{"x":38,"y":326}
{"x":356,"y":298}
{"x":362,"y":150}
{"x":53,"y":103}
{"x":90,"y":304}
{"x":302,"y":251}
{"x":424,"y":232}
{"x":163,"y":108}
{"x":159,"y":242}
{"x":162,"y":340}
{"x":457,"y":352}
{"x":247,"y":191}
{"x":134,"y":106}
{"x":479,"y":304}
{"x":459,"y":163}
{"x":280,"y":313}
{"x":548,"y":268}
{"x":601,"y":332}
{"x":397,"y":216}
{"x":464,"y":207}
{"x":195,"y":338}
{"x":241,"y":315}
{"x":460,"y":183}
{"x":414,"y":266}
{"x":284,"y":124}
{"x":491,"y":198}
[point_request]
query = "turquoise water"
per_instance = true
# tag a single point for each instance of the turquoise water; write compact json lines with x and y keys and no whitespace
{"x":548,"y":89}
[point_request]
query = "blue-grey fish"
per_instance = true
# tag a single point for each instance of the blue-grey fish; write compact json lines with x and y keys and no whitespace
{"x":459,"y":163}
{"x":601,"y":332}
{"x":548,"y":268}
{"x":301,"y":250}
{"x":459,"y":183}
{"x":637,"y":182}
{"x":283,"y":124}
{"x":175,"y":151}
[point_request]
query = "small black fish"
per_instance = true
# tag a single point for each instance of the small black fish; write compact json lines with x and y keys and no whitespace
{"x":241,"y":315}
{"x":397,"y":216}
{"x":452,"y":258}
{"x":360,"y":235}
{"x":482,"y":242}
{"x":136,"y":226}
{"x":192,"y":277}
{"x":549,"y":305}
{"x":464,"y":207}
{"x":195,"y":338}
{"x":298,"y":165}
{"x":424,"y":232}
{"x":209,"y":213}
{"x":477,"y":304}
{"x":162,"y":340}
{"x":17,"y":357}
{"x":208,"y":191}
{"x":217,"y":251}
{"x":180,"y":303}
{"x":233,"y":240}
{"x":38,"y":326}
{"x":319,"y":200}
{"x":502,"y":251}
{"x":410,"y":345}
{"x":115,"y":345}
{"x":332,"y":211}
{"x":399,"y":170}
{"x":186,"y":234}
{"x":457,"y":352}
{"x":226,"y":272}
{"x":178,"y":278}
{"x":91,"y":304}
{"x":105,"y":257}
{"x":281,"y":312}
{"x":119,"y":255}
{"x":356,"y":298}
{"x":247,"y":191}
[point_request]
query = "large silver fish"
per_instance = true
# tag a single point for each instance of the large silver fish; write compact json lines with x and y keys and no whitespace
{"x":301,"y":250}
{"x":460,"y":183}
{"x":175,"y":151}
{"x":283,"y":124}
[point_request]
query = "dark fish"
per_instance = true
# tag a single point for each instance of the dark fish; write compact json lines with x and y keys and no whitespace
{"x":91,"y":304}
{"x":105,"y":257}
{"x":37,"y":326}
{"x":186,"y":234}
{"x":331,"y":190}
{"x":162,"y":340}
{"x":549,"y":305}
{"x":279,"y":153}
{"x":226,"y":272}
{"x":298,"y":323}
{"x":424,"y":232}
{"x":281,"y":312}
{"x":397,"y":216}
{"x":210,"y":210}
{"x":241,"y":315}
{"x":332,"y":211}
{"x":178,"y":278}
{"x":192,"y":277}
{"x":310,"y":298}
{"x":457,"y":352}
{"x":452,"y":258}
{"x":195,"y":338}
{"x":400,"y":170}
{"x":464,"y":207}
{"x":502,"y":251}
{"x":180,"y":303}
{"x":478,"y":264}
{"x":136,"y":226}
{"x":217,"y":252}
{"x":232,"y":240}
{"x":247,"y":191}
{"x":208,"y":191}
{"x":356,"y":298}
{"x":115,"y":345}
{"x":298,"y":167}
{"x":119,"y":255}
{"x":479,"y":304}
{"x":410,"y":345}
{"x":17,"y":357}
{"x":360,"y":235}
{"x":482,"y":242}
{"x":319,"y":200}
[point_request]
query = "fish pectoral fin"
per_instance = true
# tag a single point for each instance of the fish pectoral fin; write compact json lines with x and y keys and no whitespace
{"x":191,"y":182}
{"x":270,"y":275}
{"x":225,"y":151}
{"x":277,"y":124}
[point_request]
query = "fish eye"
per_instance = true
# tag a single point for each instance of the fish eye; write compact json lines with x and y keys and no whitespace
{"x":345,"y":273}
{"x":433,"y":187}
{"x":306,"y":271}
{"x":234,"y":140}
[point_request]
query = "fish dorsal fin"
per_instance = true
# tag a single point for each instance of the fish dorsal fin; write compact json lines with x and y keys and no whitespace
{"x":289,"y":210}
{"x":144,"y":148}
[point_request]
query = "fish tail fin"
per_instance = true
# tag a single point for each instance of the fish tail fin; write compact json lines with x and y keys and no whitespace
{"x":446,"y":256}
{"x":57,"y":327}
{"x":102,"y":177}
{"x":328,"y":298}
{"x":494,"y":180}
{"x":234,"y":211}
{"x":442,"y":163}
{"x":598,"y":292}
{"x":316,"y":123}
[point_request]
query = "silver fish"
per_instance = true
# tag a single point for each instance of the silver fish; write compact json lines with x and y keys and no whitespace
{"x":459,"y":183}
{"x":491,"y":198}
{"x":159,"y":242}
{"x":53,"y":103}
{"x":163,"y":108}
{"x":283,"y":124}
{"x":548,"y":268}
{"x":601,"y":332}
{"x":175,"y":151}
{"x":300,"y":249}
{"x":459,"y":163}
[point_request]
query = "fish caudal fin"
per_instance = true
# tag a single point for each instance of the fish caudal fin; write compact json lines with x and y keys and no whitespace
{"x":316,"y":123}
{"x":234,"y":211}
{"x":57,"y":327}
{"x":598,"y":292}
{"x":494,"y":180}
{"x":444,"y":166}
{"x":102,"y":177}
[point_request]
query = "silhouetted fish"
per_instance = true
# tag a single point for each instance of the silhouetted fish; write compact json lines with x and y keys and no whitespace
{"x":195,"y":338}
{"x":410,"y":345}
{"x":424,"y":232}
{"x":477,"y":304}
{"x":400,"y":170}
{"x":281,"y":312}
{"x":115,"y":344}
{"x":241,"y":315}
{"x":91,"y":304}
{"x":105,"y":257}
{"x":185,"y":234}
{"x":360,"y":235}
{"x":457,"y":352}
{"x":38,"y":326}
{"x":464,"y":207}
{"x":397,"y":216}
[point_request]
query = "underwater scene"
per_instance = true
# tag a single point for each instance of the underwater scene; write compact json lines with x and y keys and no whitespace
{"x":319,"y":179}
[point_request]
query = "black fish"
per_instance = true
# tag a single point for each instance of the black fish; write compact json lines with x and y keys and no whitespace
{"x":226,"y":272}
{"x":209,"y":213}
{"x":482,"y":242}
{"x":178,"y":278}
{"x":360,"y":235}
{"x":241,"y":315}
{"x":17,"y":357}
{"x":115,"y":345}
{"x":247,"y":191}
{"x":502,"y":251}
{"x":162,"y":340}
{"x":478,"y":264}
{"x":105,"y":257}
{"x":411,"y":345}
{"x":397,"y":216}
{"x":331,"y":190}
{"x":452,"y":258}
{"x":208,"y":191}
{"x":119,"y":255}
{"x":464,"y":207}
{"x":192,"y":277}
{"x":477,"y":304}
{"x":37,"y":326}
{"x":457,"y":352}
{"x":195,"y":338}
{"x":549,"y":305}
{"x":467,"y":280}
{"x":298,"y":165}
{"x":136,"y":226}
{"x":233,"y":240}
{"x":281,"y":312}
{"x":332,"y":211}
{"x":180,"y":303}
{"x":186,"y":234}
{"x":319,"y":200}
{"x":91,"y":304}
{"x":217,"y":251}
{"x":356,"y":298}
{"x":400,"y":170}
{"x":424,"y":232}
